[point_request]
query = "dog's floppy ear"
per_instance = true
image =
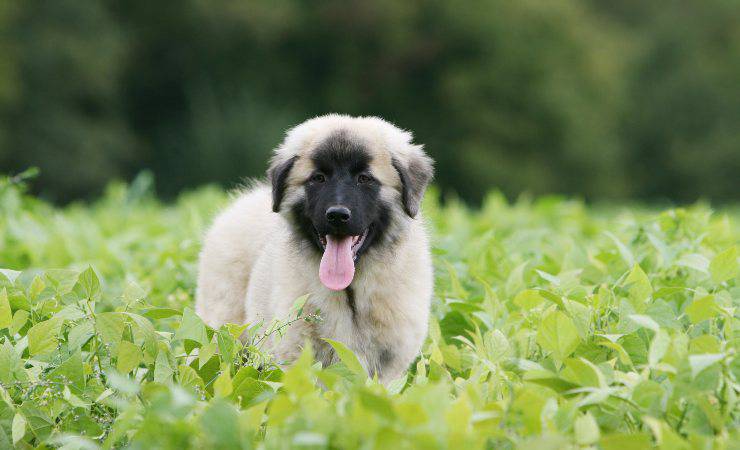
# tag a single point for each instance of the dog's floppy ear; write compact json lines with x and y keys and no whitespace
{"x":415,"y":177}
{"x":278,"y":174}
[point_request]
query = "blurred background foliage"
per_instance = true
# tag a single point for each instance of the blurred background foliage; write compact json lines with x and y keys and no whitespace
{"x":605,"y":99}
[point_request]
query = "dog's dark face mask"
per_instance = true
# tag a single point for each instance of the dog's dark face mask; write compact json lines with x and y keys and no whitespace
{"x":342,"y":213}
{"x":344,"y":209}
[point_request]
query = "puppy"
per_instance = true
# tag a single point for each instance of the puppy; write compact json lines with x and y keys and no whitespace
{"x":339,"y":221}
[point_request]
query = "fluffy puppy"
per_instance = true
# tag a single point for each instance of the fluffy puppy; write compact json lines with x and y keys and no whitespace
{"x":339,"y":221}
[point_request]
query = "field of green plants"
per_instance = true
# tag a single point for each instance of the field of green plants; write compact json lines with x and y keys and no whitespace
{"x":555,"y":325}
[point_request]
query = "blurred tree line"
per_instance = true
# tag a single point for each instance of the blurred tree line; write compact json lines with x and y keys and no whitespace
{"x":606,"y":99}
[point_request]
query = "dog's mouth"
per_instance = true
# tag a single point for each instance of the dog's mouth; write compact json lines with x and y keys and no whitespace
{"x":337,"y":267}
{"x":357,"y":242}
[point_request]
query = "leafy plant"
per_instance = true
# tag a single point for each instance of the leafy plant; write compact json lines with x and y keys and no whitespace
{"x":554,"y":325}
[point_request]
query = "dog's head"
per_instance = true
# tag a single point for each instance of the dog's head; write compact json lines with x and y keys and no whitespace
{"x":349,"y":185}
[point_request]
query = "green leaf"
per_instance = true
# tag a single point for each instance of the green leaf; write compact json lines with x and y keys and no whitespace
{"x":223,"y":387}
{"x":724,"y":266}
{"x":347,"y":357}
{"x":192,"y":327}
{"x":700,"y":362}
{"x":6,"y":315}
{"x":129,"y":357}
{"x":624,"y":358}
{"x":70,"y":370}
{"x":645,"y":321}
{"x":9,"y":362}
{"x":624,"y":252}
{"x":248,"y":390}
{"x":206,"y":353}
{"x":582,"y":372}
{"x":110,"y":326}
{"x":36,"y":288}
{"x":162,"y":369}
{"x":638,"y":287}
{"x":44,"y":336}
{"x":623,"y":441}
{"x":702,"y":309}
{"x":18,"y":427}
{"x":161,"y":313}
{"x":19,"y":320}
{"x":221,"y":420}
{"x":88,"y":285}
{"x":558,"y":334}
{"x":188,"y":377}
{"x":144,"y":333}
{"x":61,"y":280}
{"x":528,"y":299}
{"x":658,"y":347}
{"x":586,"y":429}
{"x":79,"y":335}
{"x":695,"y":261}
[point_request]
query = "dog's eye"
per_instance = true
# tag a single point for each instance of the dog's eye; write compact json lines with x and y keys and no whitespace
{"x":318,"y":178}
{"x":362,"y":178}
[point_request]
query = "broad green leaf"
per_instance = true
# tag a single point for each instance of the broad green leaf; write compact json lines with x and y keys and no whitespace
{"x":206,"y":352}
{"x":702,"y":309}
{"x":223,"y":387}
{"x":9,"y":363}
{"x":582,"y":372}
{"x":248,"y":390}
{"x":724,"y":266}
{"x":227,"y":344}
{"x":701,"y":362}
{"x":528,"y":299}
{"x":624,"y":441}
{"x":162,"y":369}
{"x":188,"y":377}
{"x":586,"y":430}
{"x":649,"y":396}
{"x":20,"y":318}
{"x":706,"y":343}
{"x":6,"y":315}
{"x":695,"y":261}
{"x":88,"y":285}
{"x":347,"y":357}
{"x":192,"y":327}
{"x":638,"y":286}
{"x":558,"y":334}
{"x":624,"y":358}
{"x":61,"y":280}
{"x":36,"y":288}
{"x":79,"y":334}
{"x":645,"y":321}
{"x":18,"y":427}
{"x":161,"y":313}
{"x":110,"y":326}
{"x":221,"y":420}
{"x":133,"y":293}
{"x":624,"y":252}
{"x":144,"y":334}
{"x":71,"y":370}
{"x":129,"y":357}
{"x":44,"y":336}
{"x":658,"y":347}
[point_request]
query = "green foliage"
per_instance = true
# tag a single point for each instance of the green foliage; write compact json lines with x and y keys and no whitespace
{"x":554,"y":325}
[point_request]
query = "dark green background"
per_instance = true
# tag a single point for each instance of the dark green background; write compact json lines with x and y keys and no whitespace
{"x":606,"y":99}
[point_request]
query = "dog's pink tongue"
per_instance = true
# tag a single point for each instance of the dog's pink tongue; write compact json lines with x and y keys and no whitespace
{"x":337,"y":265}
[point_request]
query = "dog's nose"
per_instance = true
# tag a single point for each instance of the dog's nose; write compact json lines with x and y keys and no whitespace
{"x":338,"y":214}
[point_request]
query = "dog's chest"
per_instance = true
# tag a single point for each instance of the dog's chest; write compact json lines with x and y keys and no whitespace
{"x":353,"y":320}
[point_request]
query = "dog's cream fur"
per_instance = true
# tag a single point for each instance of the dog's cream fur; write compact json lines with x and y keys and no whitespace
{"x":252,"y":267}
